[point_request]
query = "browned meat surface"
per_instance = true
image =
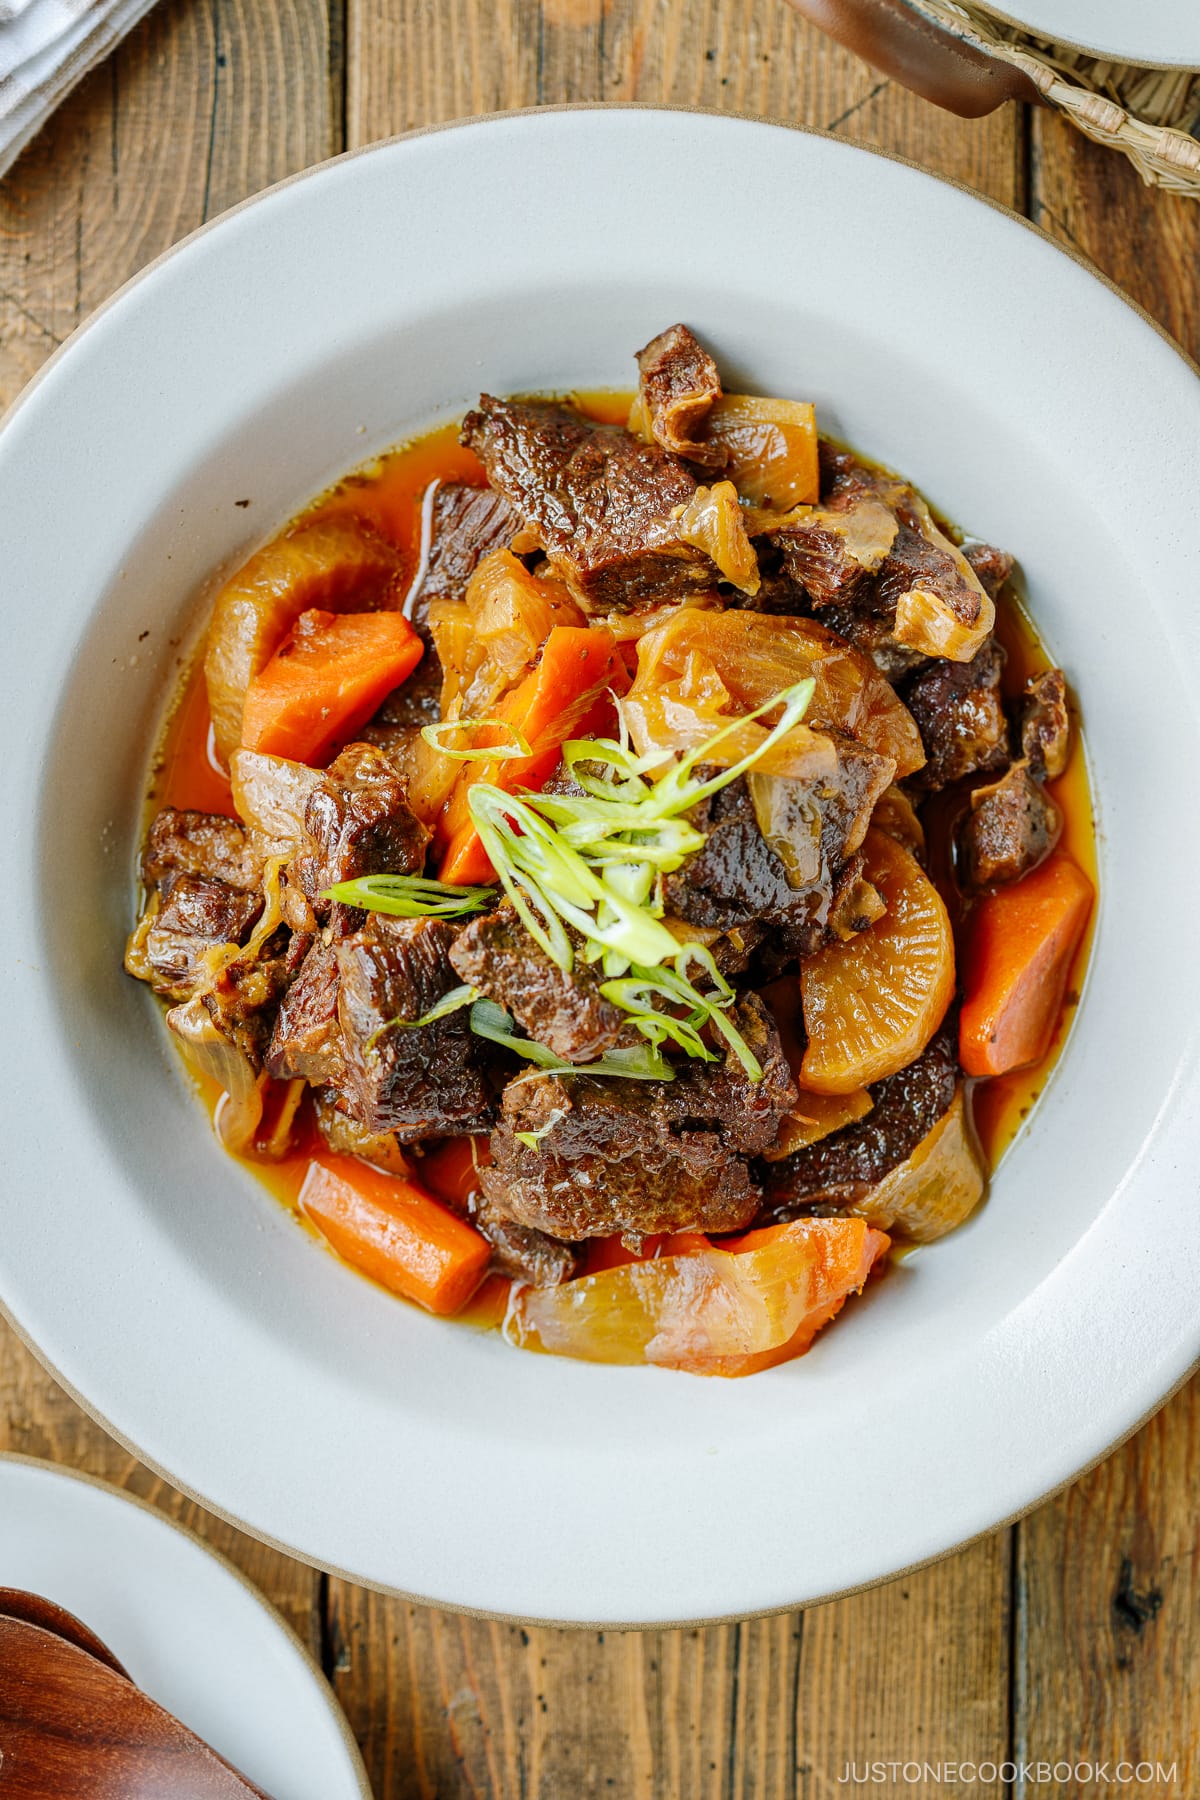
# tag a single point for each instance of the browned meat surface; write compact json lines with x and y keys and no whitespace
{"x":1046,"y":724}
{"x":306,"y":1040}
{"x":522,"y":1253}
{"x":1012,"y":825}
{"x":565,"y":1012}
{"x":242,"y":999}
{"x":196,"y":915}
{"x":679,"y":384}
{"x":348,"y":1138}
{"x":602,"y":504}
{"x":992,"y":566}
{"x":740,"y":878}
{"x":837,"y":1171}
{"x":467,"y":524}
{"x":418,"y":1081}
{"x":414,"y":703}
{"x":198,"y":843}
{"x":357,"y":822}
{"x":641,"y":1157}
{"x":960,"y":716}
{"x":911,"y":563}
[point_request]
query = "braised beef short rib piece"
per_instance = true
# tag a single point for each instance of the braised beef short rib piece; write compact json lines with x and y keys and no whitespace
{"x":679,"y":386}
{"x":418,"y":1081}
{"x":208,"y":877}
{"x":838,"y":1171}
{"x":565,"y":1012}
{"x":960,"y":715}
{"x":992,"y":566}
{"x":196,"y":916}
{"x":641,"y":1157}
{"x":1011,"y":827}
{"x":1046,"y":724}
{"x":357,"y":822}
{"x":787,"y":884}
{"x":306,"y":1040}
{"x":180,"y":842}
{"x":468,"y":523}
{"x":522,"y":1253}
{"x":603,"y":505}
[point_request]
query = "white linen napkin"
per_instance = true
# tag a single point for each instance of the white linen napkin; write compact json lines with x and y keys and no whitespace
{"x":46,"y":46}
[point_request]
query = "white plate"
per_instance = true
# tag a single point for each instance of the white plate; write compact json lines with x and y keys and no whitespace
{"x":163,"y":1283}
{"x":188,"y":1628}
{"x":1158,"y":32}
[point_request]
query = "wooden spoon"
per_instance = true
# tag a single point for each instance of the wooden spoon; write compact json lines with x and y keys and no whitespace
{"x":34,"y":1609}
{"x":72,"y":1728}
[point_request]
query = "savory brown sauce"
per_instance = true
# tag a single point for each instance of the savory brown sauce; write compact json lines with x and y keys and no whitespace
{"x":389,"y":492}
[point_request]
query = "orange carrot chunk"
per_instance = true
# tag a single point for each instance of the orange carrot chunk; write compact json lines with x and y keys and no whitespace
{"x":395,"y":1232}
{"x":328,"y":676}
{"x":1018,"y":958}
{"x":555,"y":702}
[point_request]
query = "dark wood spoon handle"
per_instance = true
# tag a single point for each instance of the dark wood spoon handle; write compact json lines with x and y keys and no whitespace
{"x":905,"y":43}
{"x":71,"y":1728}
{"x":34,"y":1609}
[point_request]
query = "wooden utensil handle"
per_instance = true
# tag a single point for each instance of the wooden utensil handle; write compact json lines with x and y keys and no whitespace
{"x":907,"y":46}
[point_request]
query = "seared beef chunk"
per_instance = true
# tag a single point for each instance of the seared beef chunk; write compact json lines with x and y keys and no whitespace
{"x":468,"y":523}
{"x":1046,"y":724}
{"x":416,"y":702}
{"x":418,"y":1081}
{"x":641,"y":1157}
{"x":740,"y":878}
{"x":196,"y":915}
{"x":306,"y":1040}
{"x":565,"y":1012}
{"x":346,"y":1136}
{"x":914,"y":563}
{"x":1011,"y":827}
{"x":357,"y":822}
{"x":242,"y":998}
{"x":837,"y":1171}
{"x":960,"y":716}
{"x":992,"y":566}
{"x":522,"y":1253}
{"x":198,"y":843}
{"x":679,"y":384}
{"x":832,"y":550}
{"x":603,"y":505}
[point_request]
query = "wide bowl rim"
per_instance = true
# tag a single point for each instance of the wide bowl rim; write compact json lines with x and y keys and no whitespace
{"x":1124,"y":1427}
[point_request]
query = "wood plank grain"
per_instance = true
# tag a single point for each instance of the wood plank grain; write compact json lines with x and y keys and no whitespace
{"x":1108,"y":1593}
{"x":1108,"y":1597}
{"x":769,"y":1709}
{"x":204,"y":103}
{"x":417,"y":62}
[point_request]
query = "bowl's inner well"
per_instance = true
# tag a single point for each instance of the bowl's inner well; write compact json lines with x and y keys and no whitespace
{"x":259,"y":365}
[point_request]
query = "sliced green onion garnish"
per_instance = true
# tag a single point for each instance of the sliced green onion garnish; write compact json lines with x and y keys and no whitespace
{"x":640,"y":1062}
{"x":490,"y":753}
{"x":410,"y":896}
{"x":593,"y":863}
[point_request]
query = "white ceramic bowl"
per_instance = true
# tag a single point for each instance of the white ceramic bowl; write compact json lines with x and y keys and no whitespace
{"x":333,"y":317}
{"x":1166,"y":32}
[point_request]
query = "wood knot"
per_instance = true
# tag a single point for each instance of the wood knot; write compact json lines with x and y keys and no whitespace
{"x":1133,"y":1610}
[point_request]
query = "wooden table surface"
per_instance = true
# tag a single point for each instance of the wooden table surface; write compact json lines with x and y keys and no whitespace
{"x":1073,"y":1636}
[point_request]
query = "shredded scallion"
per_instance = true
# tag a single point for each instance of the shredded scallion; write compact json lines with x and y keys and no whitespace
{"x":640,"y":1062}
{"x":410,"y":896}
